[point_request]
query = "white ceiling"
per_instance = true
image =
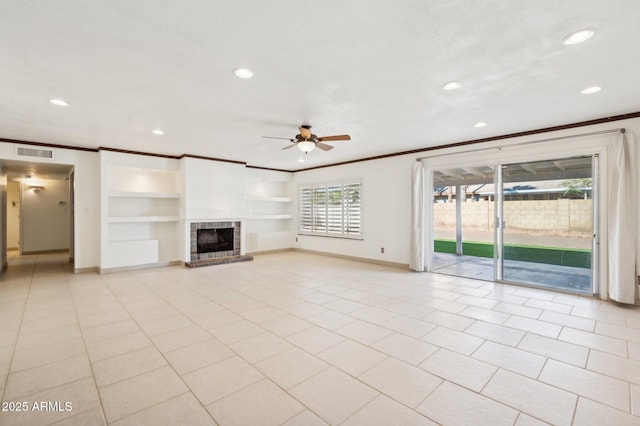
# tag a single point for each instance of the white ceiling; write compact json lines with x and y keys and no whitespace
{"x":26,"y":169}
{"x":373,"y":69}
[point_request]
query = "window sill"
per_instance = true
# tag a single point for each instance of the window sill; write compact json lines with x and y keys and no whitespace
{"x":342,"y":237}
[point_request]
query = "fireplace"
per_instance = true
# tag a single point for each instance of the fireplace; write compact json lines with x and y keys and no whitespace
{"x":213,"y":240}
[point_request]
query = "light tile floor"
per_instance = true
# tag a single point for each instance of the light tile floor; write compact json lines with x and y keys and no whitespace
{"x":300,"y":339}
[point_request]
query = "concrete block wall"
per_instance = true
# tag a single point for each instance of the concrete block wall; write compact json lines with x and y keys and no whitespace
{"x":561,"y":217}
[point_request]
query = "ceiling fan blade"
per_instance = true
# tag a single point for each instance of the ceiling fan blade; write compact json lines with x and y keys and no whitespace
{"x":335,"y":138}
{"x":273,"y":137}
{"x":324,"y":146}
{"x":289,"y":146}
{"x":305,"y":132}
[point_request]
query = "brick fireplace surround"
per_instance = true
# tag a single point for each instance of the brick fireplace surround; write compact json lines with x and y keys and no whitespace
{"x":219,"y":257}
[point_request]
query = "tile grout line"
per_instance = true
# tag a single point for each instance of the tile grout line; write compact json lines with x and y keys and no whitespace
{"x":168,"y":363}
{"x":236,"y":354}
{"x":314,"y":355}
{"x":15,"y":344}
{"x":86,"y":350}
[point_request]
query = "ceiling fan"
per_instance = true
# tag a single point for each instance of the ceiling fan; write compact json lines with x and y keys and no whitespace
{"x":307,"y":141}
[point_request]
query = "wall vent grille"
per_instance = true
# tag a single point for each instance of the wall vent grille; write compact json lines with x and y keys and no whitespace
{"x":22,"y":151}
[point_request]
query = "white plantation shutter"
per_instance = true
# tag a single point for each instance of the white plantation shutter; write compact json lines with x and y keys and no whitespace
{"x":330,"y":209}
{"x":319,"y":201}
{"x":334,"y":209}
{"x":305,"y":212}
{"x":351,"y":203}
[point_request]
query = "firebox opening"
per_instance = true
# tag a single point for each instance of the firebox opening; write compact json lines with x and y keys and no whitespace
{"x":212,"y":240}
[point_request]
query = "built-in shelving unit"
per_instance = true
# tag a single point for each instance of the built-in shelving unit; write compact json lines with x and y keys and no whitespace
{"x":142,"y":217}
{"x":270,"y":210}
{"x":132,"y":194}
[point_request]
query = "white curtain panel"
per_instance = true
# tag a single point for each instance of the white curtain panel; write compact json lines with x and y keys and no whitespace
{"x":417,"y":218}
{"x":622,"y":226}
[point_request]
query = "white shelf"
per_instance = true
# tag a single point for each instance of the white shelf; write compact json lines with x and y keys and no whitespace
{"x":142,"y":219}
{"x":271,"y":216}
{"x":133,"y":194}
{"x":141,"y":180}
{"x":140,"y":214}
{"x":270,"y":199}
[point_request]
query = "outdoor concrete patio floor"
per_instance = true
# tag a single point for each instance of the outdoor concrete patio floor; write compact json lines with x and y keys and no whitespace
{"x":564,"y":278}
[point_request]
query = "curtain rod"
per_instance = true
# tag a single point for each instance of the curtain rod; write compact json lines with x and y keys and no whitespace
{"x":601,"y":132}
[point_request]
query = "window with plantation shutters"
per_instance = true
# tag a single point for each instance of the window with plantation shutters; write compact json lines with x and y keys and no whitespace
{"x":331,"y":209}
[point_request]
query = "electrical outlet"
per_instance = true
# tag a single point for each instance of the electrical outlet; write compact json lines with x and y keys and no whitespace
{"x":381,"y":249}
{"x":296,"y":239}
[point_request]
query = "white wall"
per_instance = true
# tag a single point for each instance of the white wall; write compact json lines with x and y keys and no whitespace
{"x":13,"y":214}
{"x":45,"y":216}
{"x":386,"y":209}
{"x":212,"y":189}
{"x":3,"y":222}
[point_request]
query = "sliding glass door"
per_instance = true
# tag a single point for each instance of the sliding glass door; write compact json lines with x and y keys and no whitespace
{"x":530,"y":223}
{"x":545,"y":222}
{"x":463,"y":222}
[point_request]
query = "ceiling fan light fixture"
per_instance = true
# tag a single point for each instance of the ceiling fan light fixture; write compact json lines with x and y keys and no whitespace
{"x":306,"y":146}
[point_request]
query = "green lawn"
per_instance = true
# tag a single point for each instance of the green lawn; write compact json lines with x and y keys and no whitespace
{"x":537,"y":254}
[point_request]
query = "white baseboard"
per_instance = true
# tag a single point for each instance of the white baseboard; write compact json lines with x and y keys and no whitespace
{"x":360,"y":259}
{"x":139,"y":267}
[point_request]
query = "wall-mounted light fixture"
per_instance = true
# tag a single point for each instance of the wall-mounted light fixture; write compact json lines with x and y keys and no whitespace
{"x":36,"y":188}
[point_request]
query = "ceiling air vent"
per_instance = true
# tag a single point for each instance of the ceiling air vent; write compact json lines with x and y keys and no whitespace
{"x":22,"y":151}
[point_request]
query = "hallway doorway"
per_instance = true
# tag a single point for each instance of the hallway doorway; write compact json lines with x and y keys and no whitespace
{"x":38,"y":216}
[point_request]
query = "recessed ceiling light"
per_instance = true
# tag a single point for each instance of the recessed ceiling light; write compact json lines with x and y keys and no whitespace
{"x":243,"y":73}
{"x":452,"y":85}
{"x":591,"y":90}
{"x":157,"y":132}
{"x":480,"y":124}
{"x":300,"y":160}
{"x":577,"y":37}
{"x":59,"y":102}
